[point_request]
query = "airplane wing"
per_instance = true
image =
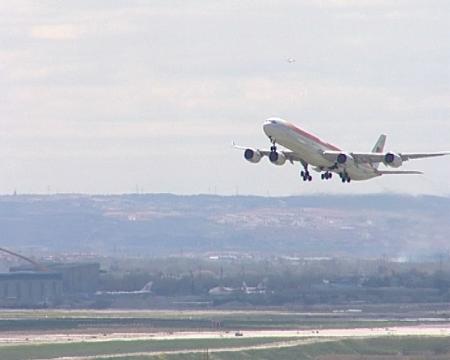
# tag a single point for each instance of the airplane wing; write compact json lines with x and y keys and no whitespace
{"x":290,"y":155}
{"x":412,"y":156}
{"x":399,"y":172}
{"x":361,"y":157}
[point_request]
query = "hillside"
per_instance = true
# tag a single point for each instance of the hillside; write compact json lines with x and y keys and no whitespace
{"x":164,"y":224}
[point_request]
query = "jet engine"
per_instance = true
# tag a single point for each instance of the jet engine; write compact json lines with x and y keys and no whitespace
{"x":393,"y":160}
{"x":277,"y":158}
{"x":344,"y":159}
{"x":252,"y":155}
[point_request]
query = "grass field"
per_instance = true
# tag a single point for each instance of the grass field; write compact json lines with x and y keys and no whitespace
{"x":400,"y":348}
{"x":45,"y":351}
{"x":50,"y":334}
{"x":407,"y":348}
{"x":201,"y":320}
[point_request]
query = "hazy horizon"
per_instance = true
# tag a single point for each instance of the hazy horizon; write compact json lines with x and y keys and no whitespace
{"x":140,"y":192}
{"x":106,"y":97}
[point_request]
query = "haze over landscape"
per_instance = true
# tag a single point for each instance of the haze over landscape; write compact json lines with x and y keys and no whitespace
{"x":107,"y":97}
{"x":375,"y":226}
{"x":130,"y":227}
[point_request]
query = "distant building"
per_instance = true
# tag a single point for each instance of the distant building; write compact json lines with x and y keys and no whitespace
{"x":77,"y":278}
{"x":30,"y":289}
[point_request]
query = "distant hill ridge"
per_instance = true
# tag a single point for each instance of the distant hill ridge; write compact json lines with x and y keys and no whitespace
{"x":163,"y":224}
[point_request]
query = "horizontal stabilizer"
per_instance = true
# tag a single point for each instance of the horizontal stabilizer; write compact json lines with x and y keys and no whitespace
{"x":399,"y":172}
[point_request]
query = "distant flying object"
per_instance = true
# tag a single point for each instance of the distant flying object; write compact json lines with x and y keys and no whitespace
{"x":326,"y":158}
{"x":290,"y":60}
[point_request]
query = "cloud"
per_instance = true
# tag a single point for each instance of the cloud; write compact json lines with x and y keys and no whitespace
{"x":57,"y":32}
{"x":153,"y":80}
{"x":351,"y":2}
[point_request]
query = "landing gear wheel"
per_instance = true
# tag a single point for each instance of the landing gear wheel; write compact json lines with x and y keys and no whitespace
{"x":305,"y":175}
{"x":273,"y":148}
{"x":345,"y":178}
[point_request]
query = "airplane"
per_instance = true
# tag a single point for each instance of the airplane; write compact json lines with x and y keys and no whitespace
{"x":325,"y":158}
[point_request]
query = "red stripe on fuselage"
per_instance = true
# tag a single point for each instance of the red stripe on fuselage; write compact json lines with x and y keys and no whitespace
{"x":312,"y":137}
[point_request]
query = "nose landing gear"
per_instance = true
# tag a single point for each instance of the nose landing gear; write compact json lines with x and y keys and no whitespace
{"x":273,"y":147}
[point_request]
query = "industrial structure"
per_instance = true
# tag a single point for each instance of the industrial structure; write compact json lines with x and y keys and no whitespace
{"x":46,"y":285}
{"x":30,"y":289}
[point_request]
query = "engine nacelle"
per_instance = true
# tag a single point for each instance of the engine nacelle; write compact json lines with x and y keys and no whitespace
{"x":277,"y":158}
{"x":343,"y":159}
{"x":252,"y":155}
{"x":393,"y":160}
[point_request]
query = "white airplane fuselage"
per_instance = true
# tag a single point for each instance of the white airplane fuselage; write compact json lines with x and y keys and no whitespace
{"x":311,"y":149}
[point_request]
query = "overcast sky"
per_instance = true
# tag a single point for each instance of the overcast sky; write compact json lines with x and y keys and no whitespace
{"x":107,"y":96}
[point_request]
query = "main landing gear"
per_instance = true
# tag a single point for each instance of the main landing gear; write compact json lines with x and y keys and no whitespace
{"x":305,"y":174}
{"x":345,"y":178}
{"x":326,"y":176}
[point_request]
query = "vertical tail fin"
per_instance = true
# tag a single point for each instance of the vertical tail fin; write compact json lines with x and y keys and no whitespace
{"x":379,"y":147}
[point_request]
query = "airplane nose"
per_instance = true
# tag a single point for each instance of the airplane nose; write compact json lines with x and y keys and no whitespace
{"x":269,"y":123}
{"x":267,"y":126}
